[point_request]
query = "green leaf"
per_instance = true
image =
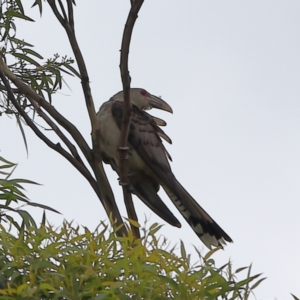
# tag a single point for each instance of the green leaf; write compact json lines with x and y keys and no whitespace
{"x":13,"y":222}
{"x":154,"y":228}
{"x":39,"y":3}
{"x":28,"y":221}
{"x":22,"y":133}
{"x":6,"y":161}
{"x":43,"y":223}
{"x":30,"y":51}
{"x":257,"y":283}
{"x":241,"y":269}
{"x":46,"y":286}
{"x":133,"y":222}
{"x":182,"y":250}
{"x":16,"y":181}
{"x":13,"y":13}
{"x":72,"y":70}
{"x":43,"y":206}
{"x":26,"y":58}
{"x":17,"y":41}
{"x":295,"y":298}
{"x":211,"y":252}
{"x":19,"y":3}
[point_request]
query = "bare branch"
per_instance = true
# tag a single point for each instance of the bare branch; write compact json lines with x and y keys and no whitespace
{"x":101,"y":186}
{"x":56,"y":12}
{"x":31,"y":94}
{"x":131,"y":212}
{"x":81,"y":65}
{"x":104,"y":190}
{"x":123,"y":169}
{"x":49,"y":143}
{"x":59,"y":133}
{"x":62,"y":10}
{"x":15,"y":91}
{"x":70,"y":13}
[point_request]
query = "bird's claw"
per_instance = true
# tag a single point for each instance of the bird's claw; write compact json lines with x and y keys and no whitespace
{"x":124,"y":148}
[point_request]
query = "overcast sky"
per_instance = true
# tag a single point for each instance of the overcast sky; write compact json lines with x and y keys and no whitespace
{"x":231,"y":72}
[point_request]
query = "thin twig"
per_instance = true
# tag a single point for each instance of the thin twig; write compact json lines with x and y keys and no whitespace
{"x":63,"y":10}
{"x":56,"y":129}
{"x":80,"y":62}
{"x":56,"y":12}
{"x":34,"y":128}
{"x":31,"y":94}
{"x":127,"y":110}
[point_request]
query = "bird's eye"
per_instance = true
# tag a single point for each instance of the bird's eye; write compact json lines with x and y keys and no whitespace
{"x":143,"y":93}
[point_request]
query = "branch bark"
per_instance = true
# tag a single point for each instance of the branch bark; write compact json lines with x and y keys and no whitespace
{"x":98,"y":180}
{"x":105,"y":194}
{"x":127,"y":110}
{"x":57,"y":147}
{"x":107,"y":197}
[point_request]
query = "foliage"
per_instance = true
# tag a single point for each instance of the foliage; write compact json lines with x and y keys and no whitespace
{"x":64,"y":263}
{"x":11,"y":192}
{"x":45,"y":77}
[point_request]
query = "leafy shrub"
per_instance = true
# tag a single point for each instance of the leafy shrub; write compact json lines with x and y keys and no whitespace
{"x":65,"y":263}
{"x":11,"y":193}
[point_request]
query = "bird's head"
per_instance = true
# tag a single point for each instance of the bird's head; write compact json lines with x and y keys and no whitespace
{"x":144,"y":100}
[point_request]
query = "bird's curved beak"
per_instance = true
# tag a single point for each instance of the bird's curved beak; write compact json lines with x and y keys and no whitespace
{"x":156,"y":102}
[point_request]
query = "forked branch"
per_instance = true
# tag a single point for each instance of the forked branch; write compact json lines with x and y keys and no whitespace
{"x":67,"y":21}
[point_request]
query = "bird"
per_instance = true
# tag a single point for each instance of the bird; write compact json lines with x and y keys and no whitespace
{"x":148,"y":162}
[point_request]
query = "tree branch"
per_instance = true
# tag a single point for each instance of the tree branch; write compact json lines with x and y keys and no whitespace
{"x":56,"y":129}
{"x":62,"y":10}
{"x":81,"y":168}
{"x":70,"y":13}
{"x":80,"y":62}
{"x":101,"y":186}
{"x":31,"y":94}
{"x":104,"y":186}
{"x":127,"y":110}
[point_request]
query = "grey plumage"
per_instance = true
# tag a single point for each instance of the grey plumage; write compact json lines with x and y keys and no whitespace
{"x":148,"y":164}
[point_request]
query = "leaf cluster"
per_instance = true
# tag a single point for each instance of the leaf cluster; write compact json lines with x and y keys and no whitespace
{"x":13,"y":199}
{"x":66,"y":263}
{"x":45,"y":77}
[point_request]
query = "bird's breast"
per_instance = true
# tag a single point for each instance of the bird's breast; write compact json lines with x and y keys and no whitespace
{"x":109,"y":142}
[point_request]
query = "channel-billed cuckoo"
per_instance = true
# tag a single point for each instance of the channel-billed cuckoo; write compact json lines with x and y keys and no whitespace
{"x":148,"y":163}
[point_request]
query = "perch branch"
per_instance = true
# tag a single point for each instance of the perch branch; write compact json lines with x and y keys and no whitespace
{"x":127,"y":109}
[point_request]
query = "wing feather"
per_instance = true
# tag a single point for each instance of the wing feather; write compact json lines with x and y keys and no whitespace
{"x":144,"y":137}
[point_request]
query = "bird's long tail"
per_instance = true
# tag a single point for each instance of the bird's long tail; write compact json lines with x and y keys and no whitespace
{"x":200,"y":221}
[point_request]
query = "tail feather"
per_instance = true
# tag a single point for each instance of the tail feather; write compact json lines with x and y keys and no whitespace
{"x":147,"y":190}
{"x":200,"y":221}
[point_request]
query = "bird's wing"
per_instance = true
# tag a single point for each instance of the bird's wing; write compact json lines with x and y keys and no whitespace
{"x":144,"y":137}
{"x":143,"y":186}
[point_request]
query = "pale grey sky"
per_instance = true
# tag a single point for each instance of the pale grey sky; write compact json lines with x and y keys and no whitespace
{"x":231,"y":72}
